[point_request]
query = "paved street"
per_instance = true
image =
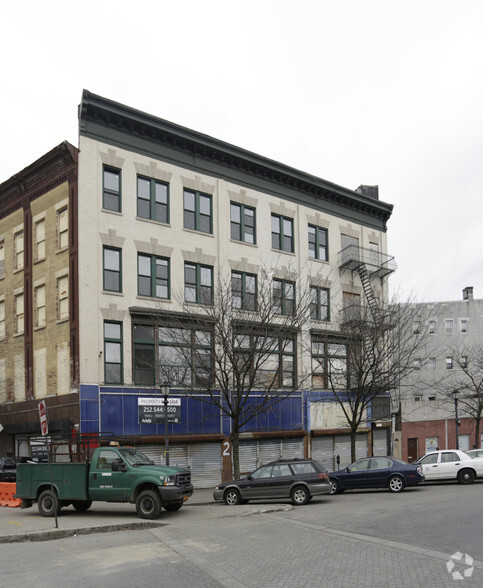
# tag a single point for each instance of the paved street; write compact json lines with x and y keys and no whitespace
{"x":370,"y":538}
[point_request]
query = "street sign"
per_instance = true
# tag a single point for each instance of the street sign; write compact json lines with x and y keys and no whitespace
{"x":44,"y":425}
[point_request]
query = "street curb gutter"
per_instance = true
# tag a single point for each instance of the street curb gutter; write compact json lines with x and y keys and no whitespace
{"x":62,"y":533}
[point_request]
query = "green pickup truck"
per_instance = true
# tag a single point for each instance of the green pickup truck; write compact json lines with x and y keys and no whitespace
{"x":114,"y":474}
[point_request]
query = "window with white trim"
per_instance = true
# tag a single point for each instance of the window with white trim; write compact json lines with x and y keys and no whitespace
{"x":63,"y":228}
{"x":63,"y":298}
{"x":18,"y":250}
{"x":39,"y":240}
{"x":19,"y":314}
{"x":2,"y":258}
{"x":39,"y":301}
{"x":2,"y":319}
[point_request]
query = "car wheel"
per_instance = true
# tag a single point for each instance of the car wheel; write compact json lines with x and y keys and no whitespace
{"x":396,"y":484}
{"x":300,"y":495}
{"x":173,"y":506}
{"x":232,"y":497}
{"x":334,"y":486}
{"x":82,"y":505}
{"x":466,"y":477}
{"x":148,"y":505}
{"x":48,"y":504}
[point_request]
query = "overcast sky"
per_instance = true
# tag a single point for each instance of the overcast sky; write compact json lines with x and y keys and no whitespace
{"x":386,"y":92}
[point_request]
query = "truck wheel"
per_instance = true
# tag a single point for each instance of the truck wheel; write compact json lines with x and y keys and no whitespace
{"x":172,"y":506}
{"x":148,"y":505}
{"x":466,"y":476}
{"x":82,"y":505}
{"x":48,"y":504}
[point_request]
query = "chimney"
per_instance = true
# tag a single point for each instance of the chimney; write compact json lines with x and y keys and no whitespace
{"x":468,"y":293}
{"x":369,"y":191}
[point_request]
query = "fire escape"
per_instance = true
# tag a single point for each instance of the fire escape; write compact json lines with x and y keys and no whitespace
{"x":369,"y":265}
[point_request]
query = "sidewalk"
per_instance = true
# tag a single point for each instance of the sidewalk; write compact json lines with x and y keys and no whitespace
{"x":19,"y":525}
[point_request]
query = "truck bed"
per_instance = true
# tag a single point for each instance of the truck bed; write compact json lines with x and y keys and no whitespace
{"x":70,"y":480}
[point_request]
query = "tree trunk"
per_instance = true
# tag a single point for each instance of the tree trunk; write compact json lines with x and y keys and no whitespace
{"x":235,"y":451}
{"x":353,"y":444}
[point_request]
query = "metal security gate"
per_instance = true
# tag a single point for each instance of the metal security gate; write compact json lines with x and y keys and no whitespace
{"x":379,"y":442}
{"x":326,"y":449}
{"x":203,"y":459}
{"x":253,"y":454}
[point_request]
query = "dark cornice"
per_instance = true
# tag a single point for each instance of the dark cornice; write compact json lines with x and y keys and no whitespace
{"x":52,"y":169}
{"x":113,"y":123}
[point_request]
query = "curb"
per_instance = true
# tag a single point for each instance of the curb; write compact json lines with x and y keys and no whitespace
{"x":54,"y":534}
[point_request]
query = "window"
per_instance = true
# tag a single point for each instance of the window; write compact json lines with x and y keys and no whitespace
{"x":244,"y":291}
{"x":284,"y":297}
{"x":39,"y":301}
{"x":181,"y":356}
{"x":2,"y":258}
{"x":242,"y":223}
{"x":19,"y":314}
{"x":63,"y":228}
{"x":319,"y":303}
{"x":198,"y":283}
{"x":112,"y":281}
{"x":448,"y":326}
{"x":432,"y":364}
{"x":432,"y":397}
{"x":416,"y":327}
{"x":329,"y":364}
{"x":197,"y":211}
{"x":417,"y":364}
{"x":62,"y":298}
{"x":2,"y":319}
{"x":432,"y":327}
{"x":18,"y":250}
{"x":318,"y":243}
{"x":153,"y":200}
{"x":111,"y":197}
{"x":39,"y":250}
{"x":418,"y":398}
{"x":153,"y":276}
{"x":449,"y":363}
{"x":282,"y":233}
{"x":275,"y":360}
{"x":464,"y":361}
{"x":464,"y":326}
{"x":113,"y":353}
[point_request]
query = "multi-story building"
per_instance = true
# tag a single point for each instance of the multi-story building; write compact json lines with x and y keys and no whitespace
{"x":164,"y":211}
{"x":38,"y":296}
{"x":445,"y":385}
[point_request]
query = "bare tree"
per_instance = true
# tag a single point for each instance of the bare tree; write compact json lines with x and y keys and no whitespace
{"x":370,"y":357}
{"x":467,"y":378}
{"x":237,"y":350}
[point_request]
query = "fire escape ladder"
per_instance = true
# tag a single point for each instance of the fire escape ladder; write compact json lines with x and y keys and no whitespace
{"x":369,"y":292}
{"x":371,"y":299}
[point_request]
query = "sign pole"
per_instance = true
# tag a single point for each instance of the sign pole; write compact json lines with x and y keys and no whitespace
{"x":44,"y":428}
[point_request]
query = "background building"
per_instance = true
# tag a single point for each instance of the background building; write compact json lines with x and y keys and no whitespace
{"x":163,"y":212}
{"x":453,"y":362}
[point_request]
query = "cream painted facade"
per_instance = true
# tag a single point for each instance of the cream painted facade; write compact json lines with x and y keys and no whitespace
{"x":135,"y":235}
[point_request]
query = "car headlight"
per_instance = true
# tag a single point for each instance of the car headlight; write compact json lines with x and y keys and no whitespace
{"x":167,"y":480}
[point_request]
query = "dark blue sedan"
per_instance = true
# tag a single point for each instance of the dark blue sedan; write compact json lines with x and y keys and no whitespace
{"x":376,"y":472}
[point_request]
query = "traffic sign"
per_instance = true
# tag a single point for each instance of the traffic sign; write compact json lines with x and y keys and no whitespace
{"x":44,"y":425}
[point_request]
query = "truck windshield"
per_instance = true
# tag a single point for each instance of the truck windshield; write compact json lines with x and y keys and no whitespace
{"x":135,"y":457}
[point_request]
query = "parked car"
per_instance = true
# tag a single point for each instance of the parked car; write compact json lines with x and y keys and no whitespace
{"x":376,"y":472}
{"x":8,"y":469}
{"x":451,"y":464}
{"x":475,"y":452}
{"x":295,"y":479}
